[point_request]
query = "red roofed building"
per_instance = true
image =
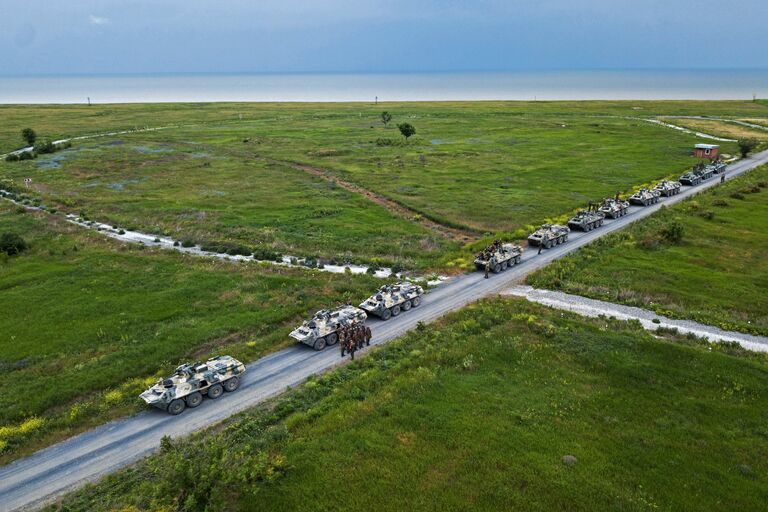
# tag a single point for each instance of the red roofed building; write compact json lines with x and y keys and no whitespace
{"x":706,"y":151}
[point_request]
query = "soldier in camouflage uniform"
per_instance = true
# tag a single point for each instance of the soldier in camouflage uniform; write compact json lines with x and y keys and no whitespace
{"x":342,"y":332}
{"x":368,"y":336}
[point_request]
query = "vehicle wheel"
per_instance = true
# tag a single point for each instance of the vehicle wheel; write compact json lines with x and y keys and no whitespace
{"x":504,"y":265}
{"x":386,"y":314}
{"x":215,"y":391}
{"x":194,"y":399}
{"x":395,"y":310}
{"x":231,"y":384}
{"x":496,"y":268}
{"x":517,"y":260}
{"x":406,"y":305}
{"x":319,"y":344}
{"x":548,"y":244}
{"x":415,"y":301}
{"x":176,"y":407}
{"x":331,"y":339}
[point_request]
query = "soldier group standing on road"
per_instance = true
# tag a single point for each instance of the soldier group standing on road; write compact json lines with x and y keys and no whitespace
{"x":353,"y":338}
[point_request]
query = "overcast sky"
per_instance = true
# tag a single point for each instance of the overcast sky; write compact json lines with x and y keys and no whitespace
{"x":150,"y":36}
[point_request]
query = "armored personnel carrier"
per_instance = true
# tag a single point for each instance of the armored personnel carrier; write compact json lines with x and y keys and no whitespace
{"x":321,"y":329}
{"x":392,"y":299}
{"x":587,"y":220}
{"x":717,"y":167}
{"x":614,"y":208}
{"x":697,"y":175}
{"x":549,"y":235}
{"x":186,"y":387}
{"x":645,"y":197}
{"x":668,"y":188}
{"x":499,"y":256}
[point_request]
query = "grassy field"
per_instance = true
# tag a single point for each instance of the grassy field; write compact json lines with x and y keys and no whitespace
{"x":723,"y":128}
{"x":88,"y":322}
{"x":717,"y":274}
{"x":228,"y":171}
{"x":477,"y":413}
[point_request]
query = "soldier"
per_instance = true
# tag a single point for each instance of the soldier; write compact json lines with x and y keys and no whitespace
{"x":342,"y":339}
{"x":360,"y":336}
{"x":487,"y":267}
{"x":352,"y":347}
{"x":368,"y":336}
{"x":722,"y":178}
{"x":541,"y":244}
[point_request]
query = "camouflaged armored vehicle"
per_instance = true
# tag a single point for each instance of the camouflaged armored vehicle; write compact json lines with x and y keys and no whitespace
{"x":392,"y":299}
{"x":321,"y":329}
{"x":668,"y":188}
{"x":645,"y":197}
{"x":716,"y":167}
{"x":697,"y":175}
{"x":587,"y":220}
{"x":191,"y":381}
{"x":691,"y":178}
{"x":614,"y":208}
{"x":549,"y":235}
{"x":499,"y":256}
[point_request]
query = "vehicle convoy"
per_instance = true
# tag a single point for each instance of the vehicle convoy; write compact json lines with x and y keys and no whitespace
{"x":321,"y":329}
{"x":614,"y":207}
{"x":587,"y":220}
{"x":549,"y":235}
{"x":645,"y":197}
{"x":189,"y":382}
{"x":498,"y":256}
{"x":668,"y":188}
{"x":392,"y":299}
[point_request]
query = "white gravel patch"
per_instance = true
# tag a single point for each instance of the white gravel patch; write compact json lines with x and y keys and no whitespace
{"x":595,"y":308}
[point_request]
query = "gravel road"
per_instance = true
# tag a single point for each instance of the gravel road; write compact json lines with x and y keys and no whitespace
{"x":649,"y":320}
{"x":33,"y":481}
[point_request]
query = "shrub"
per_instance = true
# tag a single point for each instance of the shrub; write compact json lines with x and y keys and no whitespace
{"x":707,"y":214}
{"x":29,"y":136}
{"x":672,"y":232}
{"x":12,"y":244}
{"x":737,"y":195}
{"x":12,"y":157}
{"x":407,"y":130}
{"x":267,"y":255}
{"x":187,"y":243}
{"x":720,"y":202}
{"x":176,"y":243}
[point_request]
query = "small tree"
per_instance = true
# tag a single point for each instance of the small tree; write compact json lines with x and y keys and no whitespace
{"x":406,"y":129}
{"x":29,"y":135}
{"x":386,"y":117}
{"x":746,"y":146}
{"x":12,"y":244}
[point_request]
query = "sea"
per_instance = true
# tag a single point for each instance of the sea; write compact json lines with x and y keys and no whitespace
{"x":382,"y":87}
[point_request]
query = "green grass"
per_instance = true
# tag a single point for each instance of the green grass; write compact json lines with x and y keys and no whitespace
{"x":488,"y":167}
{"x":87,"y":322}
{"x":718,"y":275}
{"x":162,"y":184}
{"x":476,"y":414}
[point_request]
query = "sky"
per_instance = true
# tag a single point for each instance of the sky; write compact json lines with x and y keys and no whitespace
{"x":274,"y":36}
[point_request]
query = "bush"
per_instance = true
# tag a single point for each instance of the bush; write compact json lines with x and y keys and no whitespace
{"x":267,"y":255}
{"x":12,"y":157}
{"x":737,"y":195}
{"x":672,"y":232}
{"x":12,"y":244}
{"x":187,"y":243}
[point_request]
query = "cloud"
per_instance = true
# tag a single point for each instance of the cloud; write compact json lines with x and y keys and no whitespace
{"x":98,"y":20}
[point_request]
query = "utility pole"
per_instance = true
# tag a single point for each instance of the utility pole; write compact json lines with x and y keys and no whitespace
{"x":376,"y":101}
{"x":89,"y":101}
